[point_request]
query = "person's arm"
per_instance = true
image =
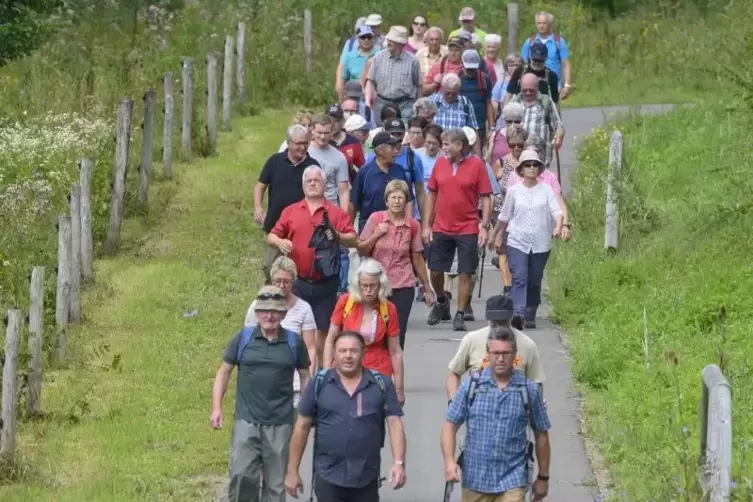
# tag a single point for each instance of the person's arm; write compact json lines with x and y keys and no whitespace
{"x":455,"y":416}
{"x":554,"y":209}
{"x":432,"y":80}
{"x":497,"y":94}
{"x":419,"y":265}
{"x":534,"y":368}
{"x":396,"y":357}
{"x":340,"y":81}
{"x":490,"y":116}
{"x":418,"y":185}
{"x":335,"y":325}
{"x":259,"y":190}
{"x":566,"y":75}
{"x":431,"y":200}
{"x":540,"y":425}
{"x":416,"y":76}
{"x":508,"y":209}
{"x":395,"y":425}
{"x":356,"y":193}
{"x":299,"y":438}
{"x":367,"y":83}
{"x":308,"y":334}
{"x":220,"y":387}
{"x":343,"y":190}
{"x":369,"y":237}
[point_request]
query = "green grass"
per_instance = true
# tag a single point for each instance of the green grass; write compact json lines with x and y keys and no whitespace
{"x":130,"y":419}
{"x":686,"y":211}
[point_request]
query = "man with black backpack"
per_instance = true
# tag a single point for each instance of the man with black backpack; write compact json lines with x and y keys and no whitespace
{"x":477,"y":86}
{"x":348,"y":405}
{"x":548,"y":80}
{"x":497,"y":461}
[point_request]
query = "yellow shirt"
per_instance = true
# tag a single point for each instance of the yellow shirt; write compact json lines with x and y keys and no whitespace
{"x":478,"y":38}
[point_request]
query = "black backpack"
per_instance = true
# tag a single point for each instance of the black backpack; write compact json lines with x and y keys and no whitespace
{"x":326,"y":252}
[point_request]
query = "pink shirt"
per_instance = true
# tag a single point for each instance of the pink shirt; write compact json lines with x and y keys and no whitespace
{"x":393,"y":250}
{"x":547,"y":177}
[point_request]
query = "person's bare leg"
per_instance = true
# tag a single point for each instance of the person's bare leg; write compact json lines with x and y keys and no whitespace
{"x":437,"y":282}
{"x":464,"y":292}
{"x":504,"y":271}
{"x":321,"y":337}
{"x":449,"y":283}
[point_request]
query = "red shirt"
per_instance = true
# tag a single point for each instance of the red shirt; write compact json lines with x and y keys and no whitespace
{"x":297,"y":224}
{"x":354,"y":154}
{"x":458,"y":193}
{"x":436,"y":69}
{"x":376,"y":357}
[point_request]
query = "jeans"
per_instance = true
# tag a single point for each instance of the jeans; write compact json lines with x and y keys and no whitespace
{"x":527,"y":272}
{"x":403,"y":300}
{"x":344,"y":266}
{"x":328,"y":492}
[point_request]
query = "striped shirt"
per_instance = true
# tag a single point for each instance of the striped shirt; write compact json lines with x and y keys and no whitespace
{"x":394,"y":249}
{"x":454,"y":115}
{"x":395,"y":77}
{"x":535,"y":118}
{"x":298,"y":319}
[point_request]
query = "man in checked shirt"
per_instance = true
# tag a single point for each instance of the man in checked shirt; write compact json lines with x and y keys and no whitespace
{"x":497,"y":406}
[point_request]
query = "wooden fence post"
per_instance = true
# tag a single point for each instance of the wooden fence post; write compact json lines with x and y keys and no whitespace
{"x":307,"y":38}
{"x":167,"y":135}
{"x":36,"y":343}
{"x":74,"y":313}
{"x":212,"y":102}
{"x":227,"y":84}
{"x":240,"y":65}
{"x":62,"y":296}
{"x":513,"y":19}
{"x":715,"y":473}
{"x":87,"y":240}
{"x":187,"y":104}
{"x":147,"y":145}
{"x":117,"y":198}
{"x":611,"y":227}
{"x":10,"y":385}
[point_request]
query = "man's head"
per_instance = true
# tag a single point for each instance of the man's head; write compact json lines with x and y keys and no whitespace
{"x":471,"y":61}
{"x":270,"y":308}
{"x":454,"y":143}
{"x":450,"y":87}
{"x":357,"y":126}
{"x":539,"y":53}
{"x":371,"y":284}
{"x":396,"y":128}
{"x":323,"y":130}
{"x":389,"y":112}
{"x":502,"y":349}
{"x":467,"y":18}
{"x":544,"y":23}
{"x":386,"y":147}
{"x":397,"y":37}
{"x":298,"y":139}
{"x":374,"y":21}
{"x":529,"y":87}
{"x":499,"y":310}
{"x":455,"y":48}
{"x":313,"y":182}
{"x":365,"y":38}
{"x":337,"y":114}
{"x":349,"y":348}
{"x":492,"y":43}
{"x":433,"y":38}
{"x":349,"y":108}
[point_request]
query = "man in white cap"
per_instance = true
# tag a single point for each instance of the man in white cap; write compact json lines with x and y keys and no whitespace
{"x":477,"y":87}
{"x":374,"y":21}
{"x":393,"y":76}
{"x":467,"y":21}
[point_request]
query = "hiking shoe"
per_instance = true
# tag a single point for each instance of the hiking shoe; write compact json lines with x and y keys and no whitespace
{"x":468,"y":314}
{"x":459,"y":323}
{"x":437,"y":312}
{"x":517,"y":322}
{"x":446,"y":316}
{"x":529,"y":324}
{"x":507,"y":290}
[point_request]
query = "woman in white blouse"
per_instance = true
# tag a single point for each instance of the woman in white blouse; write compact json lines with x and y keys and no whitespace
{"x":531,"y":215}
{"x":299,"y":317}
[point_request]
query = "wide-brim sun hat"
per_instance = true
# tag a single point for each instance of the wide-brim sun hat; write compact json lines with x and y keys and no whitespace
{"x":529,"y":155}
{"x":398,"y":35}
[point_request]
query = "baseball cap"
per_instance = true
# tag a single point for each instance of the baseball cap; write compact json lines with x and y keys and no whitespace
{"x":471,"y":59}
{"x":383,"y":138}
{"x":465,"y":36}
{"x":355,"y":123}
{"x":455,"y":41}
{"x":353,"y":89}
{"x":471,"y":135}
{"x":539,"y":52}
{"x":499,"y":308}
{"x":373,"y":20}
{"x":364,"y":30}
{"x":336,"y":112}
{"x":394,"y":125}
{"x":467,"y":14}
{"x":271,"y":298}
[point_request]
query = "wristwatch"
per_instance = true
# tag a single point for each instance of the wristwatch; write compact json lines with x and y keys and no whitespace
{"x":542,"y":478}
{"x":401,"y":463}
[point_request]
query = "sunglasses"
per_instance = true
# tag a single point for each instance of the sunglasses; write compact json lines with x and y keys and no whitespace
{"x":366,"y":37}
{"x":529,"y":164}
{"x":516,"y":145}
{"x":419,"y":23}
{"x":513,"y":121}
{"x":270,"y":296}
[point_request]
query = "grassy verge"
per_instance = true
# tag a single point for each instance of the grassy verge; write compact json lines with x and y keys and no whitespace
{"x":686,"y":213}
{"x":129,"y":420}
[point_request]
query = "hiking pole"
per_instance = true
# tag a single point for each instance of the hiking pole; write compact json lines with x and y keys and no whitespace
{"x":448,"y":486}
{"x":313,"y":469}
{"x":481,"y":275}
{"x":559,"y":173}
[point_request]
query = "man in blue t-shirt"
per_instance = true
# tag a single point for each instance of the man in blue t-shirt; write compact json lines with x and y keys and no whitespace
{"x":477,"y":87}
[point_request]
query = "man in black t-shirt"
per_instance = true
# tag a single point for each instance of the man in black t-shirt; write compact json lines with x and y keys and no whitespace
{"x":282,"y":174}
{"x":548,"y":80}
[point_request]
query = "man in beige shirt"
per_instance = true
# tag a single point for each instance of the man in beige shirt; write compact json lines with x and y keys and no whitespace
{"x":472,"y":354}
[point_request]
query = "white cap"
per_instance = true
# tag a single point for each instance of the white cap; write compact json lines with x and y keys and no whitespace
{"x":355,"y":123}
{"x":373,"y":20}
{"x":467,"y":14}
{"x":470,"y":134}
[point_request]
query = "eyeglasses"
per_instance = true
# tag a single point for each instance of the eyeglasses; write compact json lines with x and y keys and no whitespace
{"x":282,"y":282}
{"x":270,"y":296}
{"x":502,"y":353}
{"x":298,"y":143}
{"x":369,"y":287}
{"x":516,"y":145}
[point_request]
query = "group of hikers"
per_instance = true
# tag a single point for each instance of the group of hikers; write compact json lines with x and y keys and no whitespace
{"x":437,"y":150}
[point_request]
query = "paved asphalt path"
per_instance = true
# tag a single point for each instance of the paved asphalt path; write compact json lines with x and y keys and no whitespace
{"x":429,"y":349}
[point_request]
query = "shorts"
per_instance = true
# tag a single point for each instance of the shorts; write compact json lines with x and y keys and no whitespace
{"x":322,"y":296}
{"x":445,"y":246}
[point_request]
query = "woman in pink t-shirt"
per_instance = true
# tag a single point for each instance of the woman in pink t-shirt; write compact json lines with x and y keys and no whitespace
{"x":395,"y":242}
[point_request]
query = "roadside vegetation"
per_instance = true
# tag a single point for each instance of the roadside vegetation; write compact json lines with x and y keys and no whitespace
{"x":684,"y":195}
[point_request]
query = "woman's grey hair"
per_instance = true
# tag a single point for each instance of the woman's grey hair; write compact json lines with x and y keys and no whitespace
{"x":492,"y":39}
{"x":549,"y":17}
{"x":369,"y":266}
{"x":513,"y":111}
{"x":296,"y":129}
{"x":314,"y":169}
{"x":283,"y":264}
{"x":516,"y":131}
{"x":450,"y":81}
{"x":535,"y":142}
{"x":453,"y":135}
{"x":434,"y":29}
{"x":426,"y":105}
{"x":502,"y":334}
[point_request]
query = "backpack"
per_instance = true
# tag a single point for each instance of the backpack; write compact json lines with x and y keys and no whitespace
{"x":351,"y":42}
{"x":480,"y":80}
{"x":384,"y":312}
{"x":544,"y":79}
{"x":532,"y":40}
{"x":249,"y":333}
{"x":411,"y":165}
{"x":319,"y":379}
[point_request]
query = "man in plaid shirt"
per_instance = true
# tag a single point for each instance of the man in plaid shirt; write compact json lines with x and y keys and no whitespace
{"x":497,"y":406}
{"x":540,"y":116}
{"x":454,"y":111}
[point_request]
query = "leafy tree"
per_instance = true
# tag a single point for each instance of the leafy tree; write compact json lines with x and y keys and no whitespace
{"x":23,"y":26}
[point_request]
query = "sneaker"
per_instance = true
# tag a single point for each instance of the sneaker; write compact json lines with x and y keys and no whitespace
{"x":446,"y":316}
{"x":437,"y":312}
{"x":507,"y":290}
{"x":468,"y":314}
{"x":459,"y":323}
{"x":517,"y":322}
{"x":529,"y":324}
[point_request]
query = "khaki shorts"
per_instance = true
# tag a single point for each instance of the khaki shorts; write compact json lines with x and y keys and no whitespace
{"x":516,"y":495}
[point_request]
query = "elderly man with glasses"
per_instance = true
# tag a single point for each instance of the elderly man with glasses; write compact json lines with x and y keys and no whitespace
{"x":540,"y":116}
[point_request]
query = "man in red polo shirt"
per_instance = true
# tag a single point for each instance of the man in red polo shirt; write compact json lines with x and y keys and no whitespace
{"x":292,"y":233}
{"x":458,"y":182}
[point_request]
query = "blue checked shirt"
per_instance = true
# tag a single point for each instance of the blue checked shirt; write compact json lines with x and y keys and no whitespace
{"x":495,"y":447}
{"x":454,"y":115}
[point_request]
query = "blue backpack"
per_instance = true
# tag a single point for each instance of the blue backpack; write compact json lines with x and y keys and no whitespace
{"x":249,"y":333}
{"x":319,"y":379}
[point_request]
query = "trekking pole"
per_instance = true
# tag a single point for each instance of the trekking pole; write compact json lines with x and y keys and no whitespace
{"x":481,"y":275}
{"x":313,"y":469}
{"x":448,"y":486}
{"x":559,"y":173}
